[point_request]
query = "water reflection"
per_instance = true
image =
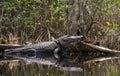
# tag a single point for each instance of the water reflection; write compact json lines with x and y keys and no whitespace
{"x":19,"y":68}
{"x":91,"y":68}
{"x":104,"y":68}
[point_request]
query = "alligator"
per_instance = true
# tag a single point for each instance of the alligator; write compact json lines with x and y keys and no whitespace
{"x":44,"y":50}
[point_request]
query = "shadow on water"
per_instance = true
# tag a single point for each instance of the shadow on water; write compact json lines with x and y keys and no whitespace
{"x":96,"y":67}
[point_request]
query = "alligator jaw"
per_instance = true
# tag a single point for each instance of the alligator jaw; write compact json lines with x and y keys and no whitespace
{"x":74,"y":38}
{"x":66,"y":40}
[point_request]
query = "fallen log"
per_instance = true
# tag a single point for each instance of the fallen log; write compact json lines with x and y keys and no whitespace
{"x":96,"y":48}
{"x":9,"y":46}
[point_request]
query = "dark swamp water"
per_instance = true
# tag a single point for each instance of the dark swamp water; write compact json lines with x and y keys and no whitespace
{"x":106,"y":66}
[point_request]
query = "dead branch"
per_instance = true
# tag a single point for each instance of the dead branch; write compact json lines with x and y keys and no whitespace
{"x":96,"y":48}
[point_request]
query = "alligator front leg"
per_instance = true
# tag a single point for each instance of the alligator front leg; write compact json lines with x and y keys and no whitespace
{"x":57,"y":55}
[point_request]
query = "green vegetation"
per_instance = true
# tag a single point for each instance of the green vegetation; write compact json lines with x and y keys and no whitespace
{"x":36,"y":20}
{"x":33,"y":19}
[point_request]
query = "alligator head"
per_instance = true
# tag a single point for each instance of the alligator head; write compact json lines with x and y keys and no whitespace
{"x":67,"y":39}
